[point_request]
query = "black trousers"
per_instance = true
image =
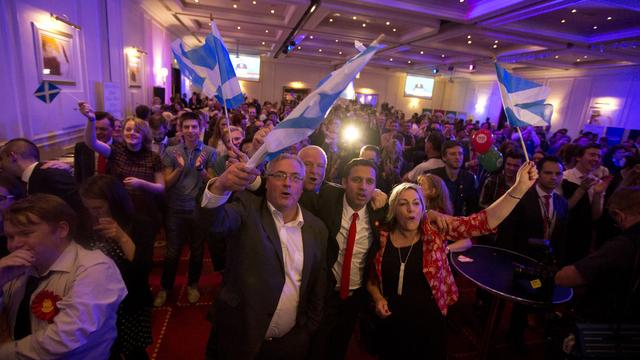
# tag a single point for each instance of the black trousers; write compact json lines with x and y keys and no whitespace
{"x":336,"y":328}
{"x":294,"y":345}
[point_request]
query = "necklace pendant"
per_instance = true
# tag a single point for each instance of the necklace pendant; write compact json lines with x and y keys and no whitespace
{"x":401,"y":279}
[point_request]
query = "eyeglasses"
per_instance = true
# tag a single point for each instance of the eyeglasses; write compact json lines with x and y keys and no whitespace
{"x":280,"y":176}
{"x":6,"y":197}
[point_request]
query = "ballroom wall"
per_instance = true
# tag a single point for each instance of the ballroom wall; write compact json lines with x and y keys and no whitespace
{"x":97,"y":56}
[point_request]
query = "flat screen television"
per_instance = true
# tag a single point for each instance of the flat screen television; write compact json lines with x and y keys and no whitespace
{"x":419,"y":86}
{"x":247,"y":67}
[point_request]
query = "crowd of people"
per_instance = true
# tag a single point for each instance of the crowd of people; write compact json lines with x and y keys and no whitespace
{"x":342,"y":224}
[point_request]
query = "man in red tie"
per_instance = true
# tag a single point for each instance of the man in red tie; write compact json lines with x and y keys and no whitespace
{"x":353,"y":239}
{"x":87,"y":162}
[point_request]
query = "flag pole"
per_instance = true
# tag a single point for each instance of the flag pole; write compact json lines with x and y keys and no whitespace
{"x":524,"y":148}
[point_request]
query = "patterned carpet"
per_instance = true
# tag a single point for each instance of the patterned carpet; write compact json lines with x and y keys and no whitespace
{"x":180,"y":329}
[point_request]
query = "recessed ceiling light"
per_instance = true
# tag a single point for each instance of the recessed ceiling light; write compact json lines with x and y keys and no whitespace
{"x":337,"y":40}
{"x":299,"y":47}
{"x":311,"y":37}
{"x":495,"y":42}
{"x":355,"y":18}
{"x":330,"y":20}
{"x":267,"y":31}
{"x":408,"y":61}
{"x":578,"y":60}
{"x":364,"y":25}
{"x":195,"y":1}
{"x":336,"y":14}
{"x":272,"y":11}
{"x":595,"y":28}
{"x":563,"y":21}
{"x":495,"y":46}
{"x":254,"y":2}
{"x":556,"y":56}
{"x":235,"y":6}
{"x":461,"y":1}
{"x":339,"y":52}
{"x":319,"y":50}
{"x":574,"y":11}
{"x":585,"y":56}
{"x":468,"y":36}
{"x":421,"y":52}
{"x":390,"y":59}
{"x":442,"y":55}
{"x":394,"y":29}
{"x":469,"y":42}
{"x":238,"y":28}
{"x":387,"y":23}
{"x":263,"y":43}
{"x":609,"y":18}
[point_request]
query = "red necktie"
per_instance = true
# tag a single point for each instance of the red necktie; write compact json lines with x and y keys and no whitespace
{"x":348,"y":254}
{"x":102,"y":165}
{"x":547,"y":216}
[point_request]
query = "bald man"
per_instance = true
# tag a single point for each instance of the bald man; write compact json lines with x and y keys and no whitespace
{"x":315,"y":163}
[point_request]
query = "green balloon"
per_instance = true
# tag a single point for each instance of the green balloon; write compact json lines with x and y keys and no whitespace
{"x":491,"y":160}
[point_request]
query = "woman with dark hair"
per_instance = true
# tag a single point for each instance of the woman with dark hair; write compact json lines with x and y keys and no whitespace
{"x":117,"y":232}
{"x":10,"y":191}
{"x":615,"y":158}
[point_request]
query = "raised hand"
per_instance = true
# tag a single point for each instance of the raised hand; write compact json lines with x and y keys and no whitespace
{"x":15,"y":264}
{"x":180,"y":159}
{"x":86,"y":110}
{"x":378,"y":199}
{"x":526,"y":177}
{"x":602,"y":185}
{"x":237,"y":177}
{"x":200,"y":161}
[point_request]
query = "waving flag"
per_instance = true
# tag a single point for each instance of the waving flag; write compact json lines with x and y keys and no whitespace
{"x":310,"y":113}
{"x":523,"y":100}
{"x":209,"y":68}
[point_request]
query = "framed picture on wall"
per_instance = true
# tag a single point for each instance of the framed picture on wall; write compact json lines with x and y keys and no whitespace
{"x":56,"y":58}
{"x":134,"y":68}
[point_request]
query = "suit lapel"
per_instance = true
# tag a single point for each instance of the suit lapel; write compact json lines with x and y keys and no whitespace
{"x":308,"y":250}
{"x":269,"y":226}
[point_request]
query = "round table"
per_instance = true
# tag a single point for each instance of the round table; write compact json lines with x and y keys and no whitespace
{"x":492,"y":270}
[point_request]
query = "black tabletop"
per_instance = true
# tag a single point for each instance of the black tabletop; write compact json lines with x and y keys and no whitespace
{"x":492,"y":270}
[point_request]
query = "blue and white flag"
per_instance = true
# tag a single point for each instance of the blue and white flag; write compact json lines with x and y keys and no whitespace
{"x":311,"y":111}
{"x":47,"y":91}
{"x":523,"y":100}
{"x":209,"y":68}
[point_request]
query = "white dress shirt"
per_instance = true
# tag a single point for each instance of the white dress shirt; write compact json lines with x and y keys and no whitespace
{"x":91,"y":289}
{"x":423,"y":167}
{"x":290,"y":234}
{"x":360,"y":248}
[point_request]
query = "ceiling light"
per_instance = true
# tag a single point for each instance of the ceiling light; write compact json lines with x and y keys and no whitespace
{"x":235,"y":6}
{"x":330,"y":20}
{"x":339,"y":52}
{"x":556,"y":56}
{"x":394,"y":29}
{"x":469,"y":42}
{"x":355,"y":18}
{"x":299,"y":47}
{"x":337,"y":40}
{"x":563,"y":21}
{"x":263,"y":43}
{"x":195,"y":1}
{"x":609,"y":18}
{"x":238,"y":27}
{"x":313,"y":8}
{"x":364,"y":25}
{"x":272,"y":11}
{"x":388,"y":23}
{"x":442,"y":55}
{"x":585,"y":56}
{"x":468,"y":36}
{"x":253,"y":2}
{"x":311,"y":37}
{"x":574,"y":11}
{"x":336,"y":14}
{"x":461,"y":1}
{"x":267,"y":31}
{"x":319,"y":50}
{"x":408,"y":61}
{"x":595,"y":28}
{"x":472,"y":67}
{"x":421,"y":52}
{"x":390,"y":59}
{"x":495,"y":42}
{"x":578,"y":60}
{"x":495,"y":46}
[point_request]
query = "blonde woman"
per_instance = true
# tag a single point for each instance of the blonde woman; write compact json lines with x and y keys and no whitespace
{"x":412,"y":285}
{"x":436,"y":198}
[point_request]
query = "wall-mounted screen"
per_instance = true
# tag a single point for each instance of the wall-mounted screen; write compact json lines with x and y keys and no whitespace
{"x":247,"y":67}
{"x":418,"y":86}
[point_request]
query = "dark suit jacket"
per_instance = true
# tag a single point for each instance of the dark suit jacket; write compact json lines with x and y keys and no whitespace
{"x":526,"y":222}
{"x":61,"y":184}
{"x":254,"y":274}
{"x":328,"y":206}
{"x":84,"y":162}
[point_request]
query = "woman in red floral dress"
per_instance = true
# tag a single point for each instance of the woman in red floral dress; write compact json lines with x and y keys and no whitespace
{"x":412,"y":284}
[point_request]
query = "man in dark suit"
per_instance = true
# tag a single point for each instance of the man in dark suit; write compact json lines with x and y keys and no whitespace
{"x":85,"y":161}
{"x":353,"y":240}
{"x":20,"y":158}
{"x":541,"y":214}
{"x":275,"y":279}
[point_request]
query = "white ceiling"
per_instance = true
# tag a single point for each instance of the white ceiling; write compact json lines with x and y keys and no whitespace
{"x":421,"y":34}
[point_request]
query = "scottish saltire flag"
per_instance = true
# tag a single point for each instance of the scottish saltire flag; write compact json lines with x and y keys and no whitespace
{"x":209,"y":68}
{"x":311,"y":111}
{"x":523,"y":100}
{"x":47,"y":91}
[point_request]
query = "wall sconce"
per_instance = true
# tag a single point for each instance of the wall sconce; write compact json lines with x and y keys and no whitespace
{"x":163,"y":75}
{"x":65,"y":20}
